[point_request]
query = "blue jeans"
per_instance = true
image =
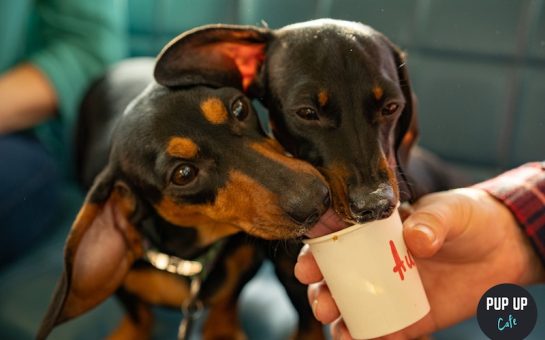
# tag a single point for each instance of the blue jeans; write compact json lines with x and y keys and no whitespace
{"x":29,"y":194}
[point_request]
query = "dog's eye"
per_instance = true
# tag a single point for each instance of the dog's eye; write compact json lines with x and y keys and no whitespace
{"x":390,"y":109}
{"x":239,"y":109}
{"x":307,"y":113}
{"x":184,"y":174}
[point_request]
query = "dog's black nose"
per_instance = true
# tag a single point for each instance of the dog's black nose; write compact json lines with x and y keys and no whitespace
{"x":309,"y":204}
{"x":371,"y":204}
{"x":306,"y":219}
{"x":327,"y":200}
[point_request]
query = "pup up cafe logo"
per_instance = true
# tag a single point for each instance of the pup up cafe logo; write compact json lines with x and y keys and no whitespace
{"x":507,"y":311}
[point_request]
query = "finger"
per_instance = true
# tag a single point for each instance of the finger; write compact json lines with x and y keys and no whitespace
{"x":434,"y":219}
{"x":323,"y":306}
{"x":306,"y":269}
{"x":339,"y":331}
{"x":421,"y":239}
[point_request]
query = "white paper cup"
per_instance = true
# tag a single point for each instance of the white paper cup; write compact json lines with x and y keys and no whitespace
{"x":376,"y":294}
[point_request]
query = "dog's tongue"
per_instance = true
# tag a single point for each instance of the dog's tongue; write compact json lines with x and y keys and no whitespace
{"x":329,"y":222}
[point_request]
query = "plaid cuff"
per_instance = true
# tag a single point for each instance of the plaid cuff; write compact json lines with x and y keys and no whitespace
{"x":522,"y":190}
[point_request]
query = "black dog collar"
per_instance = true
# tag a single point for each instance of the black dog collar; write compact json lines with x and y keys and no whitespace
{"x":189,"y":268}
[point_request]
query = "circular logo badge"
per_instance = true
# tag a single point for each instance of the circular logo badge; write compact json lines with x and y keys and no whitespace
{"x":507,"y":311}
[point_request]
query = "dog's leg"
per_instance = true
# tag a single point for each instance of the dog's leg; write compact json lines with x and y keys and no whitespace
{"x":284,"y":261}
{"x":137,"y":322}
{"x":223,"y":322}
{"x":142,"y":288}
{"x":239,"y":267}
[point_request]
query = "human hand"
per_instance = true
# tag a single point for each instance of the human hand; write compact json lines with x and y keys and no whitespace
{"x":464,"y":242}
{"x":27,"y":98}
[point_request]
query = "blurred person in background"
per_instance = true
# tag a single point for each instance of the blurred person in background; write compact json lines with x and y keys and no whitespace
{"x":51,"y":51}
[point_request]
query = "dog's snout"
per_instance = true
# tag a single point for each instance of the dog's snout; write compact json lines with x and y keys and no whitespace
{"x":369,"y":209}
{"x":307,"y":203}
{"x":371,"y":204}
{"x":304,"y":218}
{"x":312,"y":219}
{"x":327,"y":199}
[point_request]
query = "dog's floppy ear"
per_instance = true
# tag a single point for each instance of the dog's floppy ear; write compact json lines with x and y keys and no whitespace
{"x":99,"y":250}
{"x":407,"y":125}
{"x":214,"y":55}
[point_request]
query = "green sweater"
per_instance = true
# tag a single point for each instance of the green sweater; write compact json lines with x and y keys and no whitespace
{"x":71,"y":42}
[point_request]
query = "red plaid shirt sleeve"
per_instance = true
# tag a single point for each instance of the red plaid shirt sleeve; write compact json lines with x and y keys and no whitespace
{"x":522,"y":190}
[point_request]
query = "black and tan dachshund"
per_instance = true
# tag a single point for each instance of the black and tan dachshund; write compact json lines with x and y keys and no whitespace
{"x":180,"y":169}
{"x":339,"y":97}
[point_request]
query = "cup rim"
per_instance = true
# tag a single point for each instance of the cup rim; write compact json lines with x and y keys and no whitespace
{"x":349,"y":229}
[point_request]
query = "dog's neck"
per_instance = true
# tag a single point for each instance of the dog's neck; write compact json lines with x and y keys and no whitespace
{"x":174,"y":249}
{"x":199,"y":266}
{"x":170,"y":239}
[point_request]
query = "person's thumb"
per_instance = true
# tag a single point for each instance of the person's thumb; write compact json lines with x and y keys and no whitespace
{"x":435,"y":218}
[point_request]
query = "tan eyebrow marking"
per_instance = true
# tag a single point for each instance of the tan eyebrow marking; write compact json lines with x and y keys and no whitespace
{"x":323,"y":96}
{"x":182,"y":147}
{"x":214,"y":111}
{"x":378,"y":92}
